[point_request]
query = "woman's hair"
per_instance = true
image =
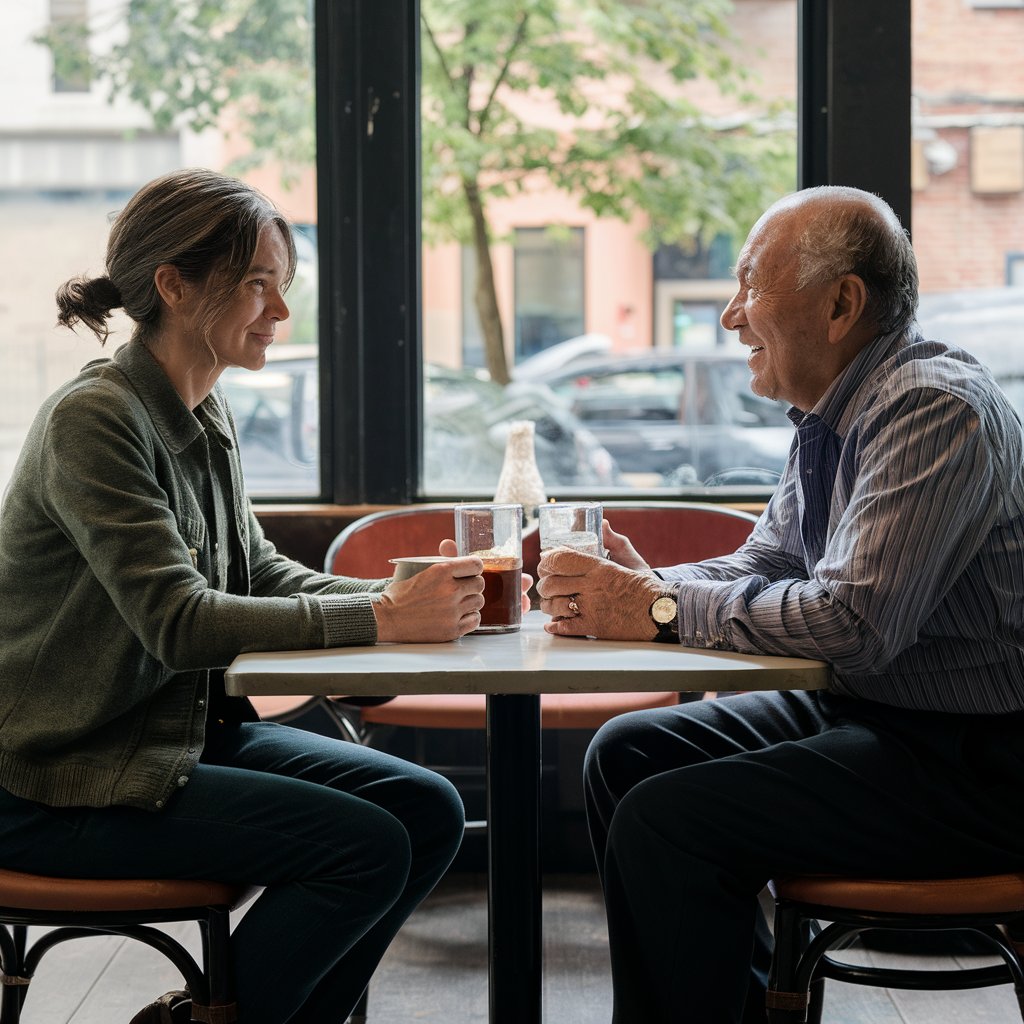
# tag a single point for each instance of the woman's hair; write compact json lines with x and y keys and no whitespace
{"x":856,"y":232}
{"x":205,"y":224}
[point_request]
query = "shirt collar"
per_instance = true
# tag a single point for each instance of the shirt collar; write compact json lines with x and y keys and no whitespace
{"x":831,"y":406}
{"x":174,"y":421}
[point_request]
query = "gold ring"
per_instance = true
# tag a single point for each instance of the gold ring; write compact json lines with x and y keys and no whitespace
{"x":573,"y":606}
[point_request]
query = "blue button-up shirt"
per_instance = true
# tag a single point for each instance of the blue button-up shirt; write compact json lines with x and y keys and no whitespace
{"x":893,"y":546}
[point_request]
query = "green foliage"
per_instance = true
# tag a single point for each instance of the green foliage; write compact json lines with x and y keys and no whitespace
{"x":626,"y":139}
{"x":191,"y":62}
{"x":585,"y":94}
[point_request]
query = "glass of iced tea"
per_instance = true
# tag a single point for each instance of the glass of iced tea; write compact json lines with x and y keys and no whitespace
{"x":494,"y":533}
{"x":572,"y":524}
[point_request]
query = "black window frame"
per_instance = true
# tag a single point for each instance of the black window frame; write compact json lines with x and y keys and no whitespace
{"x":854,"y":79}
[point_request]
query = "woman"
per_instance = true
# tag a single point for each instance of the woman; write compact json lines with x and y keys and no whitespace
{"x":132,"y":570}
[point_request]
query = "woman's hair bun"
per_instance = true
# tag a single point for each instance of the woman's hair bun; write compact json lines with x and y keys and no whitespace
{"x":89,"y":301}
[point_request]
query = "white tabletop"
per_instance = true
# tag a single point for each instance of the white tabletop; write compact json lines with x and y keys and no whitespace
{"x":530,"y":661}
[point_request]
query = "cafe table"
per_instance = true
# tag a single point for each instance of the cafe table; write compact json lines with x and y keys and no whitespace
{"x":512,"y":670}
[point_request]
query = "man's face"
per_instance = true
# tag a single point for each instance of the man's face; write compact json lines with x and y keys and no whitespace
{"x":785,"y":329}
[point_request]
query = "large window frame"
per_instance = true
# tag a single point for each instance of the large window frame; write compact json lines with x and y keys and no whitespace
{"x":854,"y":129}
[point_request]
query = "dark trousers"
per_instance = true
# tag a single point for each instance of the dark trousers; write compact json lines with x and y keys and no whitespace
{"x":346,"y":840}
{"x":693,"y":809}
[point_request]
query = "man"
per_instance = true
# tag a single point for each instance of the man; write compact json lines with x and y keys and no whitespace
{"x":894,"y":549}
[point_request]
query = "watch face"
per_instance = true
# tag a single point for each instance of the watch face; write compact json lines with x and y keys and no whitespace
{"x":664,"y":609}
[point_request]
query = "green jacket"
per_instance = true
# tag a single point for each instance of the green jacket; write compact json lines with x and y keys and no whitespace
{"x":114,"y":601}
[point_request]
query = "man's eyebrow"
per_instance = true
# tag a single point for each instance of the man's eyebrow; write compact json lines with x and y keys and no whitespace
{"x":258,"y":269}
{"x":743,"y":266}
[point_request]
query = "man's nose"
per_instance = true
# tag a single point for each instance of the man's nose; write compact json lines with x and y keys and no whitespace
{"x":730,"y":318}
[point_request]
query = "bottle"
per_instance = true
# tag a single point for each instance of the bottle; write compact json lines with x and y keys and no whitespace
{"x":520,"y":480}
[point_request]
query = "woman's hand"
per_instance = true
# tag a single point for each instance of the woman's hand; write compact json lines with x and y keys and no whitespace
{"x":440,"y":603}
{"x":589,"y":596}
{"x":449,"y":550}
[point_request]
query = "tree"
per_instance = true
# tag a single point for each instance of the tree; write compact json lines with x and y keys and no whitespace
{"x":627,"y":140}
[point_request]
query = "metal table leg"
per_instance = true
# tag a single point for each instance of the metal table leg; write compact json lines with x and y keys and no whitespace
{"x":513,"y":852}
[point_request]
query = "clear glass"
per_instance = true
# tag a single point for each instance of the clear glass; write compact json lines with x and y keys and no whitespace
{"x":494,"y":533}
{"x":548,"y":278}
{"x":967,"y":179}
{"x":572,"y":524}
{"x":73,"y":150}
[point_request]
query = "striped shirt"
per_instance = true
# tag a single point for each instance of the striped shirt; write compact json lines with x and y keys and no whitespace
{"x":893,"y":547}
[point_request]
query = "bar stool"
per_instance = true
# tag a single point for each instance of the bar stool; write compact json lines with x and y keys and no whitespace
{"x":990,"y":907}
{"x":77,"y":907}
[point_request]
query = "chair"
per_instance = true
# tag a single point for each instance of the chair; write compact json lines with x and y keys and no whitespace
{"x":989,"y":908}
{"x":77,"y":907}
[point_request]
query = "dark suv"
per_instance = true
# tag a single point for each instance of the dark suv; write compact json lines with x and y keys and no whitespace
{"x":466,"y":421}
{"x":675,"y":417}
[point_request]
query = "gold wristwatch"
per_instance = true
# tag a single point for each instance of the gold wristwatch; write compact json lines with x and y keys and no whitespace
{"x":664,"y":613}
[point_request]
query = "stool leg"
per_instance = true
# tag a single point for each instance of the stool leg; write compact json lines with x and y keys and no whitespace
{"x":12,"y":960}
{"x":784,"y":1005}
{"x":219,"y":968}
{"x":359,"y":1010}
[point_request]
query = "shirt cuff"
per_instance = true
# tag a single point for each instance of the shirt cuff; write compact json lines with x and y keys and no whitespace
{"x":348,"y":619}
{"x":707,"y":609}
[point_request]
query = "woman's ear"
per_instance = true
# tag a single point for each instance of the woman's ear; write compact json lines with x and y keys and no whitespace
{"x":848,"y":301}
{"x":169,"y":285}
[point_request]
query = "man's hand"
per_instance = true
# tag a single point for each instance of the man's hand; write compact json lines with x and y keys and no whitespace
{"x":588,"y":596}
{"x":441,"y":603}
{"x":449,"y":550}
{"x":621,"y":550}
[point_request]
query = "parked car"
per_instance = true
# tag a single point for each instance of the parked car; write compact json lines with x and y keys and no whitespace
{"x":989,"y":323}
{"x":676,"y":417}
{"x":466,"y":420}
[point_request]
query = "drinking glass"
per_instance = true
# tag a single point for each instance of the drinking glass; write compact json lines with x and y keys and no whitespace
{"x":572,"y":524}
{"x":494,"y":533}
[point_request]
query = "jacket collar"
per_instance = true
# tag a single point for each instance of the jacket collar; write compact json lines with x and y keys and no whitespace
{"x":177,"y":425}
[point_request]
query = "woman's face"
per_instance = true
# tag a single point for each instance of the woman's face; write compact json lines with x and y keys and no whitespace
{"x":245,"y":330}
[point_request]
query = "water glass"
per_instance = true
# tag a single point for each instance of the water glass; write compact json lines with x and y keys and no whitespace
{"x":572,"y":524}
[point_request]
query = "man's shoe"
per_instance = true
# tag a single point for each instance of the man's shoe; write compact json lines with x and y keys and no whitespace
{"x":170,"y":1008}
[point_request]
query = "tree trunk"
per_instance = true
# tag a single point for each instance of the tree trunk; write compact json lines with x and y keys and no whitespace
{"x":485,"y":297}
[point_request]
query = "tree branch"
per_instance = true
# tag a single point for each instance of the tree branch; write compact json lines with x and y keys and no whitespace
{"x":503,"y":73}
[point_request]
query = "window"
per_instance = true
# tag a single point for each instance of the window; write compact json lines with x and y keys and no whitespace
{"x":548,"y":288}
{"x":390,"y":252}
{"x":68,"y":164}
{"x":968,"y":200}
{"x":584,"y":135}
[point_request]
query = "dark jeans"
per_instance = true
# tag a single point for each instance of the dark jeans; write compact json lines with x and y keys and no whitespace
{"x":693,"y":809}
{"x":346,"y":840}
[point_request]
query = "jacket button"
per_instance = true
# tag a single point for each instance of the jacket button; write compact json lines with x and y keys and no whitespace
{"x":182,"y":779}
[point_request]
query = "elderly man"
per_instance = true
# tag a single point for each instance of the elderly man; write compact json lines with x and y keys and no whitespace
{"x":894,"y":549}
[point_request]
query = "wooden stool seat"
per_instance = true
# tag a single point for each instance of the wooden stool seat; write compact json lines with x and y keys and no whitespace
{"x":985,"y":894}
{"x":22,"y":891}
{"x":816,"y":915}
{"x":73,"y":908}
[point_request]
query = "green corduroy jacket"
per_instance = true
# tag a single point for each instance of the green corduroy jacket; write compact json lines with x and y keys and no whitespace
{"x":114,"y":602}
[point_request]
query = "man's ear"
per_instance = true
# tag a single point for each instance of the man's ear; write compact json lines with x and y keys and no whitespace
{"x":849,"y":297}
{"x":169,"y":285}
